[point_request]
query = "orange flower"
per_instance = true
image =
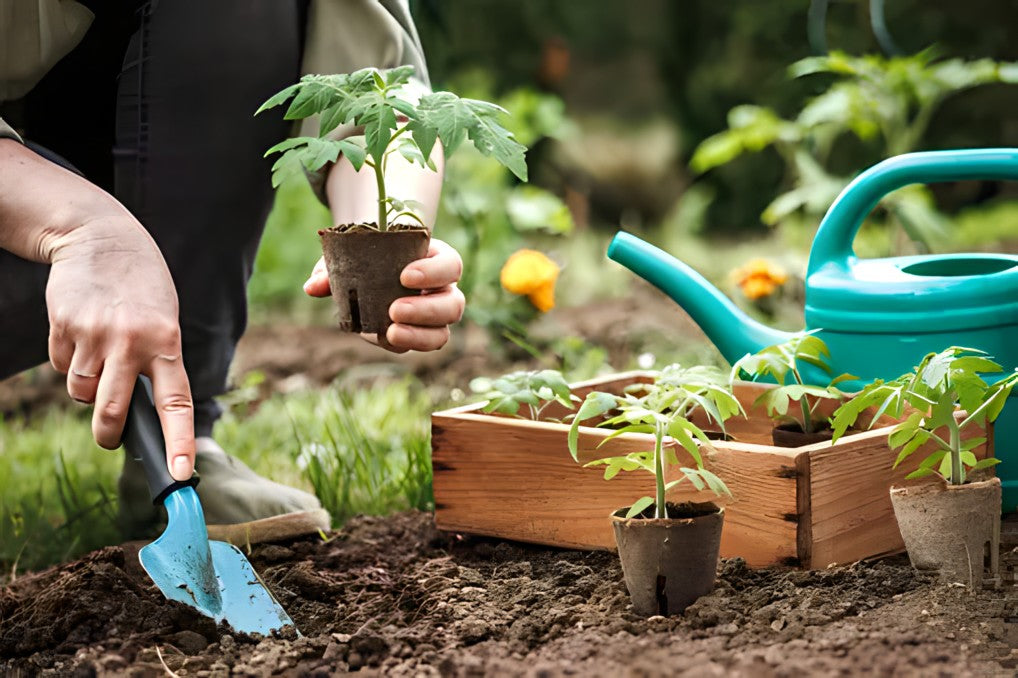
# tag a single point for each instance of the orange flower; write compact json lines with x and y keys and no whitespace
{"x":759,"y":278}
{"x":531,"y":273}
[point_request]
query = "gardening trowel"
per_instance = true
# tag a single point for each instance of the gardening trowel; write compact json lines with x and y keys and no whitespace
{"x":211,"y":576}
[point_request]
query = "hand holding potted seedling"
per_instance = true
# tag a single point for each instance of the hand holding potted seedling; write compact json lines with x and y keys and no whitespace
{"x":669,"y":552}
{"x":946,"y":525}
{"x":364,"y":261}
{"x":784,"y":364}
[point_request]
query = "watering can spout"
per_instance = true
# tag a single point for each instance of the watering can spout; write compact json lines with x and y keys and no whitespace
{"x":732,"y":331}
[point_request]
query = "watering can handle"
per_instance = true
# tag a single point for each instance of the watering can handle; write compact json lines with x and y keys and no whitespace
{"x":143,"y":440}
{"x":833,"y":242}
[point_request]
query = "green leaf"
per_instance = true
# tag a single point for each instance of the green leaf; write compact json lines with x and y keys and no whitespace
{"x":920,"y":439}
{"x":933,"y":459}
{"x":318,"y":153}
{"x":312,"y":97}
{"x":639,"y":506}
{"x":278,"y":98}
{"x":408,"y":149}
{"x":286,"y":167}
{"x":632,"y":428}
{"x":378,"y":130}
{"x":398,"y":76}
{"x":424,"y":136}
{"x":594,"y":405}
{"x":287,"y":144}
{"x":920,"y":473}
{"x":905,"y":431}
{"x":353,"y":152}
{"x":946,"y":465}
{"x":715,"y":483}
{"x":456,"y":119}
{"x":694,"y":477}
{"x":557,"y":383}
{"x":985,"y":463}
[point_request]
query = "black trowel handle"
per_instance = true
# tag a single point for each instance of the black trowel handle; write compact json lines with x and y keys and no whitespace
{"x":143,"y":440}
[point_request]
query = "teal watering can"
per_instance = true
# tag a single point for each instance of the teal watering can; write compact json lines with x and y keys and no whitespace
{"x":879,"y":317}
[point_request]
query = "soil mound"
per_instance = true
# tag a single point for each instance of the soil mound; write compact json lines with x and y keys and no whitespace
{"x":392,"y":596}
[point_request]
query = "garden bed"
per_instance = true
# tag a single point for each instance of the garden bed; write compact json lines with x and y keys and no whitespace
{"x":393,"y":596}
{"x":809,"y":506}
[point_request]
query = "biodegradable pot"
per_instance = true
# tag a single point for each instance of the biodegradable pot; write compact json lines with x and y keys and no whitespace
{"x":669,"y":562}
{"x":792,"y":435}
{"x":951,"y":528}
{"x":364,"y":267}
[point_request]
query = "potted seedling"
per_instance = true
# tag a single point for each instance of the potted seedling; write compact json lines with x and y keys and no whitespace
{"x":530,"y":391}
{"x":946,"y":525}
{"x":784,"y":363}
{"x":364,"y":260}
{"x":669,"y":552}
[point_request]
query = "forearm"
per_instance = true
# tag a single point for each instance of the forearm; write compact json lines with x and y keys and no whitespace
{"x":42,"y":205}
{"x":353,"y":196}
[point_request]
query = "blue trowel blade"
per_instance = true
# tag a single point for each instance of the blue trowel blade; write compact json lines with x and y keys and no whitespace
{"x":211,"y":576}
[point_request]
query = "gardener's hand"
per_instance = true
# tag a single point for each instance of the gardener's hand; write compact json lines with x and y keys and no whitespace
{"x":420,"y":323}
{"x":110,"y":298}
{"x":113,"y":315}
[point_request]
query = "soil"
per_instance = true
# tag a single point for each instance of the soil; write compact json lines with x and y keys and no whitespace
{"x":393,"y":596}
{"x":792,"y":435}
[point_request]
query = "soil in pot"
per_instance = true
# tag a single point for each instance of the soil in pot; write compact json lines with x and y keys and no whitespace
{"x":668,"y":563}
{"x":954,"y":529}
{"x":792,"y":435}
{"x":364,"y":266}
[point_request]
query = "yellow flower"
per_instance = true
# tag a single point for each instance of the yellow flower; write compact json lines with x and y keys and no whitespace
{"x":531,"y":273}
{"x":759,"y":278}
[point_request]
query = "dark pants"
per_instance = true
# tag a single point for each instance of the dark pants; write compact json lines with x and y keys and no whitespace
{"x":156,"y":106}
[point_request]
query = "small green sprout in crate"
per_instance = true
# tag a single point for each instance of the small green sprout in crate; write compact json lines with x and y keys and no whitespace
{"x":783,"y":363}
{"x":663,"y":410}
{"x":535,"y":390}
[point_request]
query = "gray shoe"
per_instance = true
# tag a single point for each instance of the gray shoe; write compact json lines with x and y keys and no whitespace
{"x":240,"y":506}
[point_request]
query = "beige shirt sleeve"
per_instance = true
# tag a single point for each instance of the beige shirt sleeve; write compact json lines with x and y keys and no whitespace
{"x":7,"y":132}
{"x":346,"y":35}
{"x":34,"y":35}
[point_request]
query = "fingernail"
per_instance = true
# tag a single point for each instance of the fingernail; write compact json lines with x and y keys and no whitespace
{"x":182,"y":468}
{"x":413,"y":277}
{"x":308,"y":283}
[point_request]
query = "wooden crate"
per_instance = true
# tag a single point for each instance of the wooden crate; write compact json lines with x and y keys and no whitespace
{"x":809,"y":506}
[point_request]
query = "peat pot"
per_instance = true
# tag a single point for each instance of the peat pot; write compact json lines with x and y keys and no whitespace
{"x":954,"y":529}
{"x":669,"y":562}
{"x":791,"y":435}
{"x":364,"y":267}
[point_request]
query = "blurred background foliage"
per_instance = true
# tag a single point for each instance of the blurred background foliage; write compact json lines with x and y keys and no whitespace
{"x":687,"y":64}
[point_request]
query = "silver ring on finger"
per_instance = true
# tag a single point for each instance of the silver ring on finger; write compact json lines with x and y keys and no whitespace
{"x":81,"y":374}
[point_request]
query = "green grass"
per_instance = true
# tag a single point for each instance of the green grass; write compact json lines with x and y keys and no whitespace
{"x":363,"y":446}
{"x":57,"y":490}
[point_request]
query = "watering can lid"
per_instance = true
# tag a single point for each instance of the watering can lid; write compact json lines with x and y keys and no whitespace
{"x":919,"y":293}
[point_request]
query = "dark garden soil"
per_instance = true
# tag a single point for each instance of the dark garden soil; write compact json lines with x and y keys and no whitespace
{"x":392,"y":596}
